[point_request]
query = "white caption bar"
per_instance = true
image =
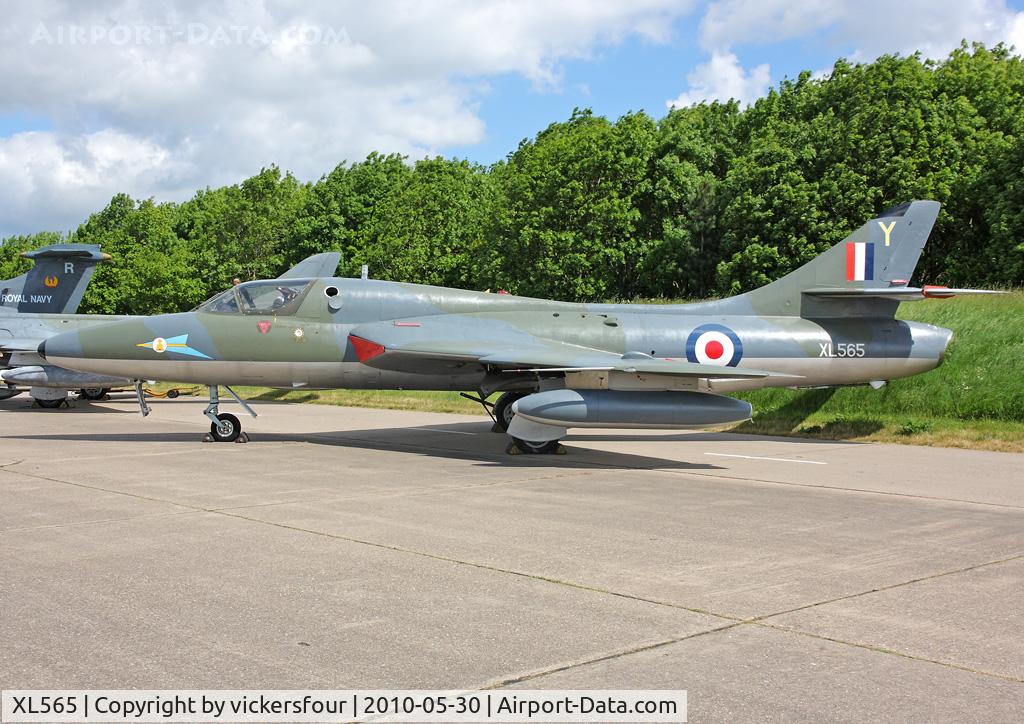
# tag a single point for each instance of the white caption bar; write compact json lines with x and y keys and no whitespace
{"x":179,"y":706}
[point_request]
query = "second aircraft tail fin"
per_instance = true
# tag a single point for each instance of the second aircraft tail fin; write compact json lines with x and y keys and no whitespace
{"x":56,"y":282}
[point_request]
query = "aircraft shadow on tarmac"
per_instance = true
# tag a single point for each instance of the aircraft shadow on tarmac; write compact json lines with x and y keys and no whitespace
{"x":474,"y":441}
{"x":459,"y":441}
{"x":798,"y":409}
{"x":695,"y":437}
{"x":23,"y":404}
{"x":796,"y":414}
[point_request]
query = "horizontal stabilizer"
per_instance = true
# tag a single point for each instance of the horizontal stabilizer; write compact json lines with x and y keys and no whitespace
{"x":83,"y":252}
{"x":899,"y":293}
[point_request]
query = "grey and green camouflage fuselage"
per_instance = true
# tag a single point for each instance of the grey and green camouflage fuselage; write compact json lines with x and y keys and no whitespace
{"x":312,"y":348}
{"x":829,"y":323}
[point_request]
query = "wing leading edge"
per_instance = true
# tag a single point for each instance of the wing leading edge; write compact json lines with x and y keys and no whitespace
{"x":426,"y":344}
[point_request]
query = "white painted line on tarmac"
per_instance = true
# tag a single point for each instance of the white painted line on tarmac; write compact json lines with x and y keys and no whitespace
{"x":450,"y":432}
{"x":775,"y":460}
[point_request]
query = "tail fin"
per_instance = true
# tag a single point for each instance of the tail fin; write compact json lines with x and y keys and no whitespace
{"x":56,"y":282}
{"x":854,"y":277}
{"x":318,"y":265}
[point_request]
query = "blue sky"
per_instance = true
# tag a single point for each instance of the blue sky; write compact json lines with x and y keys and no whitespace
{"x":635,"y":75}
{"x":114,"y":96}
{"x":11,"y":123}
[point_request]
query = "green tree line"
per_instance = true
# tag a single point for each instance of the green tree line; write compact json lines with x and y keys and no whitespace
{"x":709,"y":200}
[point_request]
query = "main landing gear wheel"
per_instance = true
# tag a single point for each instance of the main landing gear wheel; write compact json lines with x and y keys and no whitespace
{"x":50,"y":404}
{"x":227,"y":430}
{"x":503,"y":409}
{"x":93,"y":393}
{"x":225,"y":427}
{"x":547,"y":447}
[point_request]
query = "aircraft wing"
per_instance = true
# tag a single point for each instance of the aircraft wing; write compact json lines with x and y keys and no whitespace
{"x":312,"y":267}
{"x":15,"y":344}
{"x":446,"y":343}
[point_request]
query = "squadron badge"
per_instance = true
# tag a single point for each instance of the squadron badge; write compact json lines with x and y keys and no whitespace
{"x":177,"y":344}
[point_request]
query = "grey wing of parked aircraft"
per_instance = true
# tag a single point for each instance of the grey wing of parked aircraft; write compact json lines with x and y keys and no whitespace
{"x":42,"y":302}
{"x":559,"y":365}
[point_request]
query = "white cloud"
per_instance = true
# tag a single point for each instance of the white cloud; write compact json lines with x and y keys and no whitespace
{"x":865,"y":29}
{"x":728,"y":23}
{"x":723,"y":78}
{"x":162,"y":99}
{"x":42,"y":171}
{"x":860,"y":31}
{"x":1015,"y":32}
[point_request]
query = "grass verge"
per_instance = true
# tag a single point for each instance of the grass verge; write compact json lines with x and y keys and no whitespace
{"x":975,"y":399}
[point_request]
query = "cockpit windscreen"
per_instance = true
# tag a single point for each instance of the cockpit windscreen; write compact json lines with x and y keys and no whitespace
{"x":277,"y":296}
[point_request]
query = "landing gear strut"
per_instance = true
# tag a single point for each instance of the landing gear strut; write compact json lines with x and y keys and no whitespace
{"x":502,"y":414}
{"x":225,"y":427}
{"x":501,"y":410}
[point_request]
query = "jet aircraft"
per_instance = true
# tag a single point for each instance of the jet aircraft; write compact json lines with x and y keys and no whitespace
{"x":558,"y":364}
{"x":41,"y":303}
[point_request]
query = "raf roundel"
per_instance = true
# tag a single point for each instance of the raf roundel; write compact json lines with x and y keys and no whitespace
{"x":714,"y":344}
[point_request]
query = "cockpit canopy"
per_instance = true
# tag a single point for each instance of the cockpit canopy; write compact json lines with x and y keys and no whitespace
{"x":280,"y":297}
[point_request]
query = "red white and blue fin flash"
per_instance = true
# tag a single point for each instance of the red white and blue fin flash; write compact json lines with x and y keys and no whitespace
{"x":860,"y":261}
